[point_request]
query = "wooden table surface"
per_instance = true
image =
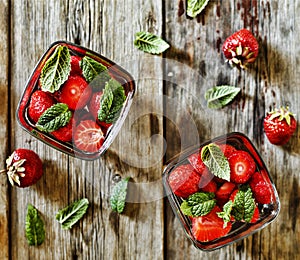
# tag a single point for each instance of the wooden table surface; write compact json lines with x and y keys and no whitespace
{"x":168,"y":114}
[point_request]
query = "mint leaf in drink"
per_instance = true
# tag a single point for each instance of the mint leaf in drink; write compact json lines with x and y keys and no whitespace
{"x":150,"y":43}
{"x":118,"y":195}
{"x":111,"y":102}
{"x":219,"y":96}
{"x":56,"y":69}
{"x":54,"y":117}
{"x":195,"y":7}
{"x":34,"y":227}
{"x":213,"y":157}
{"x":198,"y":204}
{"x":94,"y":72}
{"x":71,"y":214}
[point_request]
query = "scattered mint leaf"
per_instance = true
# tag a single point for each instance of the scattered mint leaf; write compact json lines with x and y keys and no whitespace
{"x":94,"y":72}
{"x":54,"y":117}
{"x":226,"y":213}
{"x":71,"y":214}
{"x":111,"y":101}
{"x":213,"y":157}
{"x":195,"y":7}
{"x":219,"y":96}
{"x":118,"y":195}
{"x":34,"y":227}
{"x":243,"y":205}
{"x":150,"y":43}
{"x":198,"y":204}
{"x":56,"y":69}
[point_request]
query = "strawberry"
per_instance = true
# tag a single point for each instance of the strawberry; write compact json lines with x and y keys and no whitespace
{"x":211,"y":186}
{"x":75,"y":67}
{"x":184,"y":181}
{"x":24,"y":167}
{"x":40,"y":101}
{"x":196,"y":161}
{"x":94,"y":104}
{"x":255,"y":216}
{"x":279,"y":126}
{"x":227,"y":149}
{"x":242,"y":166}
{"x":241,"y":48}
{"x":64,"y":133}
{"x":209,"y":227}
{"x":224,"y":192}
{"x":88,"y":136}
{"x":260,"y":188}
{"x":75,"y":92}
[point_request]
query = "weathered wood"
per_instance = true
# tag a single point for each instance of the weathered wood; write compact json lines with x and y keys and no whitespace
{"x":4,"y":123}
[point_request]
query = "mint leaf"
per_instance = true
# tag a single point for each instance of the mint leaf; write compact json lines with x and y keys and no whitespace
{"x":71,"y":214}
{"x":34,"y":227}
{"x":243,"y":205}
{"x":54,"y":117}
{"x":150,"y":43}
{"x":198,"y":204}
{"x":118,"y":195}
{"x":213,"y":157}
{"x":111,"y":101}
{"x":220,"y":96}
{"x":56,"y":69}
{"x":195,"y":7}
{"x":226,"y":213}
{"x":94,"y":72}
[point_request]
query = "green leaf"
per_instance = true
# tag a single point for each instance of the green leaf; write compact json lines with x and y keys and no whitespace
{"x":220,"y":96}
{"x":244,"y":204}
{"x":94,"y":72}
{"x":56,"y":69}
{"x":195,"y":7}
{"x":54,"y":117}
{"x":71,"y":214}
{"x":213,"y":157}
{"x":226,"y":213}
{"x":150,"y":43}
{"x":111,"y":102}
{"x":34,"y":227}
{"x":198,"y":204}
{"x":118,"y":195}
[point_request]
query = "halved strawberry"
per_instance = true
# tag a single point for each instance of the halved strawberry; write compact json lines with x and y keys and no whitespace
{"x":209,"y":227}
{"x":88,"y":136}
{"x":260,"y":188}
{"x":75,"y":92}
{"x":224,"y":192}
{"x":196,"y":161}
{"x":242,"y":166}
{"x":184,"y":181}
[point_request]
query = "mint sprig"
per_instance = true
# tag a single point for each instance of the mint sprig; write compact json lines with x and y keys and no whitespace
{"x":198,"y":204}
{"x":34,"y":227}
{"x":213,"y":157}
{"x":71,"y":214}
{"x":195,"y":7}
{"x":150,"y":43}
{"x":111,"y":102}
{"x":54,"y":117}
{"x":56,"y":69}
{"x":94,"y":72}
{"x":219,"y":96}
{"x":118,"y":195}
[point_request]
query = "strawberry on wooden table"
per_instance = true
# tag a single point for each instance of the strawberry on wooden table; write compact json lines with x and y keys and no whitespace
{"x":24,"y":168}
{"x":241,"y":48}
{"x":279,"y":125}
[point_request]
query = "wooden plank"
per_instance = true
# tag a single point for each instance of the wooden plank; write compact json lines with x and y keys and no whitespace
{"x":272,"y":80}
{"x":104,"y":27}
{"x":4,"y":122}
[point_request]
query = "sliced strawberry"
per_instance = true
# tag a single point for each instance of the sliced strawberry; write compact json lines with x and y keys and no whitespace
{"x":242,"y":166}
{"x":209,"y":227}
{"x":64,"y":133}
{"x":184,"y":181}
{"x":88,"y":136}
{"x":75,"y":92}
{"x":227,"y":149}
{"x":224,"y":192}
{"x":262,"y":191}
{"x":40,"y":101}
{"x":196,"y":161}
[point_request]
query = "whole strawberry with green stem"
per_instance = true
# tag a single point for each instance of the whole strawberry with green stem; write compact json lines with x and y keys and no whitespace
{"x":241,"y":48}
{"x":23,"y":167}
{"x":279,"y":125}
